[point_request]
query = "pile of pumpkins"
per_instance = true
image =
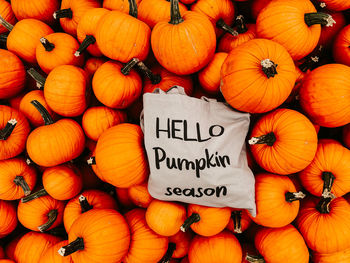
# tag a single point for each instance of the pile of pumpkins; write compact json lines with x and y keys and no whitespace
{"x":73,"y":168}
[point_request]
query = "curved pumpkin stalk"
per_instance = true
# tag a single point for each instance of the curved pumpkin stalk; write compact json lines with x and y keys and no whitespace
{"x":6,"y":24}
{"x":19,"y":180}
{"x":52,"y":215}
{"x":84,"y":204}
{"x":324,"y":205}
{"x":268,"y":139}
{"x":72,"y":247}
{"x":64,"y":13}
{"x":43,"y":112}
{"x":132,"y":8}
{"x":237,"y":221}
{"x":155,"y":79}
{"x":47,"y":44}
{"x":33,"y":196}
{"x":8,"y":129}
{"x":169,"y":253}
{"x":194,"y":218}
{"x":40,"y":80}
{"x":319,"y":18}
{"x":89,"y":40}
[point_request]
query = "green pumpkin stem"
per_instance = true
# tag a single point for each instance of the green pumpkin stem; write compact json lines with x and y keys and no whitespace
{"x":47,"y":44}
{"x":324,"y":205}
{"x":3,"y":38}
{"x":237,"y":221}
{"x":169,"y":253}
{"x":155,"y":79}
{"x":132,"y":8}
{"x":72,"y":247}
{"x":254,"y":259}
{"x":84,"y":204}
{"x":328,"y":179}
{"x":89,"y":40}
{"x":33,"y":196}
{"x":19,"y":180}
{"x":268,"y":139}
{"x":5,"y":24}
{"x":194,"y":218}
{"x":52,"y":215}
{"x":291,"y":197}
{"x":269,"y":68}
{"x":240,"y":24}
{"x":43,"y":112}
{"x":222,"y":25}
{"x":319,"y":18}
{"x":63,"y":13}
{"x":175,"y":16}
{"x":40,"y":80}
{"x":8,"y":129}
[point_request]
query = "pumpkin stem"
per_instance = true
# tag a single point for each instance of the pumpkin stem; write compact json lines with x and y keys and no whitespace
{"x":52,"y":215}
{"x":312,"y":59}
{"x":132,"y":8}
{"x":84,"y":204}
{"x":8,"y":129}
{"x":237,"y":220}
{"x":47,"y":44}
{"x":319,"y":18}
{"x":169,"y":253}
{"x":328,"y":179}
{"x":323,"y":205}
{"x":64,"y":13}
{"x":19,"y":180}
{"x":43,"y":112}
{"x":240,"y":24}
{"x":290,"y":197}
{"x":5,"y":24}
{"x":89,"y":40}
{"x":72,"y":247}
{"x":33,"y":196}
{"x":91,"y":160}
{"x":155,"y":79}
{"x":268,"y":139}
{"x":254,"y":259}
{"x":3,"y":38}
{"x":40,"y":80}
{"x":175,"y":16}
{"x":194,"y":218}
{"x":222,"y":25}
{"x":269,"y":68}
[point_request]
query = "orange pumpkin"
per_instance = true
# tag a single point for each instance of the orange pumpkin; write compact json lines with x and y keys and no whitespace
{"x":14,"y":130}
{"x":51,"y":256}
{"x":6,"y":261}
{"x":119,"y":5}
{"x":92,"y":64}
{"x":328,"y":34}
{"x":7,"y":13}
{"x":239,"y":221}
{"x":139,"y":195}
{"x":339,"y":257}
{"x":8,"y":219}
{"x":15,"y":101}
{"x":257,"y":6}
{"x":11,"y":246}
{"x":257,"y":76}
{"x":335,"y":5}
{"x":341,"y":52}
{"x":283,"y":141}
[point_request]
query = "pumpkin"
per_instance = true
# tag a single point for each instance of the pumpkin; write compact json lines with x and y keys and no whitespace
{"x":71,"y":13}
{"x":12,"y":74}
{"x":124,"y":164}
{"x":14,"y":130}
{"x":146,"y":246}
{"x":6,"y":261}
{"x":7,"y":13}
{"x":335,"y":5}
{"x":106,"y":233}
{"x":153,"y":11}
{"x":41,"y":10}
{"x":257,"y":6}
{"x":17,"y":179}
{"x":86,"y":31}
{"x":329,"y":172}
{"x":186,"y":43}
{"x":328,"y":34}
{"x":223,"y":247}
{"x":92,"y":64}
{"x":51,"y":256}
{"x":178,"y":247}
{"x":341,"y":50}
{"x":257,"y":76}
{"x":281,"y":19}
{"x":283,"y":244}
{"x":339,"y":257}
{"x":64,"y":140}
{"x":277,"y":202}
{"x":325,"y":97}
{"x":206,"y":221}
{"x":165,"y":218}
{"x":139,"y":195}
{"x":119,"y":5}
{"x":57,"y":49}
{"x":15,"y":101}
{"x":32,"y":245}
{"x":239,"y":221}
{"x":283,"y":141}
{"x":325,"y":224}
{"x":8,"y":219}
{"x":346,"y":135}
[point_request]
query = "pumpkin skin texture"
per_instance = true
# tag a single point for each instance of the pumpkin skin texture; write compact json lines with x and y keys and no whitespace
{"x":10,"y":170}
{"x":327,"y":231}
{"x":106,"y":233}
{"x":95,"y":199}
{"x":336,"y":5}
{"x":239,"y":221}
{"x":223,"y":247}
{"x":341,"y":50}
{"x":128,"y":42}
{"x":12,"y":74}
{"x":8,"y":218}
{"x":51,"y":256}
{"x":287,"y":142}
{"x":283,"y":244}
{"x":7,"y":13}
{"x":139,"y":195}
{"x":257,"y":6}
{"x":15,"y":142}
{"x":145,"y":246}
{"x":260,"y":92}
{"x":120,"y":156}
{"x":165,"y":218}
{"x":339,"y":257}
{"x":119,"y":5}
{"x":92,"y":64}
{"x":325,"y":96}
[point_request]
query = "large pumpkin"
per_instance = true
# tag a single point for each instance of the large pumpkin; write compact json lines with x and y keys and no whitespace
{"x":7,"y":13}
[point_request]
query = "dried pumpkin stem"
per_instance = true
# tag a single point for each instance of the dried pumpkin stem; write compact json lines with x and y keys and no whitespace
{"x":268,"y":139}
{"x":237,"y":221}
{"x":129,"y":66}
{"x":63,"y":13}
{"x":8,"y":129}
{"x":5,"y":24}
{"x":169,"y":253}
{"x":89,"y":40}
{"x":254,"y":259}
{"x":72,"y":247}
{"x":324,"y":205}
{"x":20,"y":181}
{"x":84,"y":204}
{"x":175,"y":16}
{"x":240,"y":24}
{"x":91,"y":160}
{"x":269,"y":68}
{"x":155,"y":79}
{"x":194,"y":218}
{"x":291,"y":197}
{"x":319,"y":18}
{"x":47,"y":44}
{"x":328,"y":179}
{"x":132,"y":8}
{"x":40,"y":79}
{"x":43,"y":112}
{"x":222,"y":25}
{"x":52,"y":215}
{"x":33,"y":196}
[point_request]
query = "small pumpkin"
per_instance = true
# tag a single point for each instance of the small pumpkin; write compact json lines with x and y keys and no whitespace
{"x":92,"y":64}
{"x":341,"y":50}
{"x":239,"y":221}
{"x":139,"y":195}
{"x":7,"y":13}
{"x":51,"y":256}
{"x":8,"y":219}
{"x":179,"y":245}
